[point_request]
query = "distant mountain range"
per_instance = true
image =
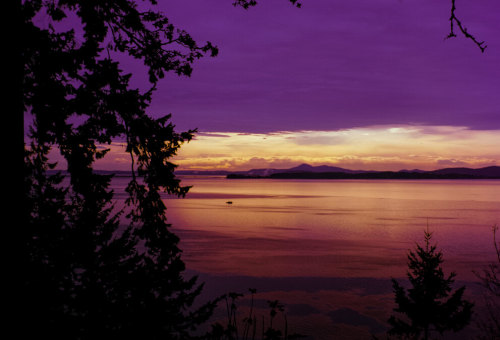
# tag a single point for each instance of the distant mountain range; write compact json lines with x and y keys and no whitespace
{"x":269,"y":171}
{"x":325,"y":172}
{"x":307,"y":171}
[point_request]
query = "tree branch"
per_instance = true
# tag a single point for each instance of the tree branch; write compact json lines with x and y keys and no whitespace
{"x":455,"y":20}
{"x":246,"y":4}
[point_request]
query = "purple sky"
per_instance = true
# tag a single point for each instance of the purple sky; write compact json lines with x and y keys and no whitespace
{"x":361,"y":84}
{"x":335,"y":64}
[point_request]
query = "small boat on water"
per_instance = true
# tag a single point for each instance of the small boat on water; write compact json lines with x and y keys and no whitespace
{"x":229,"y":202}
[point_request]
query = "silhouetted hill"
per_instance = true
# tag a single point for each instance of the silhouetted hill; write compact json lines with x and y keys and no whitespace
{"x":322,"y":168}
{"x":413,"y":170}
{"x":490,"y":171}
{"x":303,"y":168}
{"x":373,"y":175}
{"x":306,"y":171}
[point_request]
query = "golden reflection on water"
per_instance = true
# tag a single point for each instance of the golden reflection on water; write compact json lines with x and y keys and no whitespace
{"x":331,"y":228}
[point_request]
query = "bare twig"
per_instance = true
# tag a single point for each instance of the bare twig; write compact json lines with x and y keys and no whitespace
{"x":454,"y":20}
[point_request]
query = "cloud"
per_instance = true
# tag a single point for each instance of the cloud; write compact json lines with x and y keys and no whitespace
{"x":210,"y":134}
{"x":378,"y":147}
{"x":452,"y":163}
{"x":319,"y":139}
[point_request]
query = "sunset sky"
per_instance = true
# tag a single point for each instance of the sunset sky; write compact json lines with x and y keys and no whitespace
{"x":359,"y":84}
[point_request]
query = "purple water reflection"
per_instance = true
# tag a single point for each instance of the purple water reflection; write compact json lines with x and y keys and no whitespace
{"x":328,"y":249}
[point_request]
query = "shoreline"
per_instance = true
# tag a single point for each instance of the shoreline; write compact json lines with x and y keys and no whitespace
{"x":368,"y":175}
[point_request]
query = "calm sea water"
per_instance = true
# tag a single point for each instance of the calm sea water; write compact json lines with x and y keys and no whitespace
{"x":328,"y":248}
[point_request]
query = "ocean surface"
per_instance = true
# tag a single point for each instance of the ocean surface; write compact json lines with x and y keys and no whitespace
{"x":327,"y":249}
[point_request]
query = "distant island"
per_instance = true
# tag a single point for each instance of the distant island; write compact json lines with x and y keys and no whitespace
{"x":306,"y":171}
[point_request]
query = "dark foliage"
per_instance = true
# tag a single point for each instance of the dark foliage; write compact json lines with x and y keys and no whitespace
{"x":490,"y":280}
{"x":429,"y":305}
{"x":86,"y":273}
{"x":92,"y":270}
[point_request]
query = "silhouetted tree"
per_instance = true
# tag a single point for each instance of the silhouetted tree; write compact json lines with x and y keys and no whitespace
{"x":429,"y":304}
{"x":86,"y":273}
{"x":490,"y":280}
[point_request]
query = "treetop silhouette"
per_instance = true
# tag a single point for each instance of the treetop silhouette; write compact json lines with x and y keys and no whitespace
{"x":86,"y":273}
{"x":430,"y":304}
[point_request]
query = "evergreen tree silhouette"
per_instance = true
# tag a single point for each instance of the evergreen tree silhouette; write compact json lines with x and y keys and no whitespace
{"x":87,"y":274}
{"x":429,"y":304}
